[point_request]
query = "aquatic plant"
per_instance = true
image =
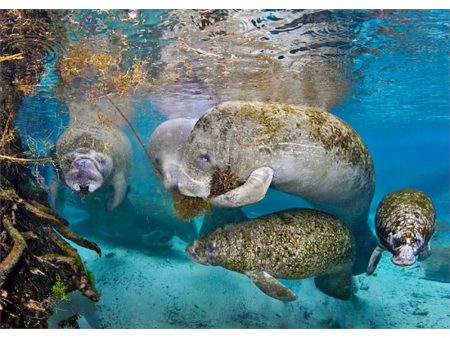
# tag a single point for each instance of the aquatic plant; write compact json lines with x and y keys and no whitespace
{"x":223,"y":181}
{"x":91,"y":277}
{"x":59,"y":290}
{"x":186,"y":208}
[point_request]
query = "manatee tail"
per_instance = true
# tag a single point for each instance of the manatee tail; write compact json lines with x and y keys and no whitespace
{"x":337,"y":285}
{"x":365,"y":244}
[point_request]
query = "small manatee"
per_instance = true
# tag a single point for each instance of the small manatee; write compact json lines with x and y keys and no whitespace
{"x":93,"y":152}
{"x":166,"y":148}
{"x":405,"y":222}
{"x":292,"y":244}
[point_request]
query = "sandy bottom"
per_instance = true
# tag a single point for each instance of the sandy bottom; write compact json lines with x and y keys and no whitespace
{"x":166,"y":290}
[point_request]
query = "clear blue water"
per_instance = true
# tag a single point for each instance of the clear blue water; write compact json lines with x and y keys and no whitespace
{"x":398,"y":102}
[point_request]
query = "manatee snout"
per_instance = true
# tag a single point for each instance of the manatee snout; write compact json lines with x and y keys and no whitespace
{"x":84,"y":177}
{"x":170,"y":177}
{"x":191,"y":187}
{"x":201,"y":253}
{"x":404,"y":256}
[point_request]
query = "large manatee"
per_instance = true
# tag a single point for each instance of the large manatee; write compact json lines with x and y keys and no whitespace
{"x":292,"y":244}
{"x":303,"y":151}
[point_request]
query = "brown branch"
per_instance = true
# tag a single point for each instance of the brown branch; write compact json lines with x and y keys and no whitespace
{"x":26,"y":160}
{"x":16,"y":252}
{"x":74,"y":261}
{"x":131,"y":126}
{"x":59,"y":225}
{"x":11,"y":57}
{"x":50,"y":216}
{"x":6,"y":130}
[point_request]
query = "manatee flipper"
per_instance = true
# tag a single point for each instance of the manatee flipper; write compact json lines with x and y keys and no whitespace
{"x":252,"y":191}
{"x":120,"y":189}
{"x":374,"y":260}
{"x":337,"y":285}
{"x":270,"y":286}
{"x":56,"y":192}
{"x":425,"y":252}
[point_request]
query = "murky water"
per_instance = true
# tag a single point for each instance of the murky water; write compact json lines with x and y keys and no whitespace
{"x":383,"y":72}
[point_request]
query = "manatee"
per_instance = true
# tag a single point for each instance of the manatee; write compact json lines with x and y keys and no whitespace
{"x":292,"y":244}
{"x":303,"y":151}
{"x":166,"y":148}
{"x":93,"y":152}
{"x":405,"y":223}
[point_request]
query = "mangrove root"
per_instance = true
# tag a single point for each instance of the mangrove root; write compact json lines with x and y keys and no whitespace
{"x":15,"y":254}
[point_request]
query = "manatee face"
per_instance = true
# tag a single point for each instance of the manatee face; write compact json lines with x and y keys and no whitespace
{"x":166,"y":148}
{"x":405,"y":245}
{"x":202,"y":155}
{"x":203,"y":251}
{"x":87,"y":170}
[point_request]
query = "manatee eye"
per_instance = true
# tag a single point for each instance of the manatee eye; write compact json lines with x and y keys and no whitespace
{"x":157,"y":161}
{"x":211,"y":251}
{"x":203,"y":158}
{"x":101,"y":159}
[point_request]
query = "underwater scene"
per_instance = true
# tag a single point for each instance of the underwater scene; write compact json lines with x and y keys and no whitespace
{"x":224,"y":169}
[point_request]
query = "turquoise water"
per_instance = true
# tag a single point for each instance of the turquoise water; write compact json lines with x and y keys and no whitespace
{"x":396,"y":96}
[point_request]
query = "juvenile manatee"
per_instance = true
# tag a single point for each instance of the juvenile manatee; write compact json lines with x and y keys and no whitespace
{"x":166,"y":148}
{"x":404,"y":224}
{"x":303,"y":151}
{"x":93,"y":152}
{"x":293,"y":244}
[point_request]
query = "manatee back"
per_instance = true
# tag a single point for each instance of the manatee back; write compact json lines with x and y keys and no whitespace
{"x":247,"y":135}
{"x":405,"y":209}
{"x":293,"y":244}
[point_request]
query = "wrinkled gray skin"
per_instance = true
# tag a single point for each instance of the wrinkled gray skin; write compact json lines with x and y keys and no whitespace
{"x":292,"y":244}
{"x":302,"y":151}
{"x":166,"y":148}
{"x":405,"y":223}
{"x":90,"y":156}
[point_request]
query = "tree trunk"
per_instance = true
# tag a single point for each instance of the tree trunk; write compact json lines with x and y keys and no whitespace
{"x":37,"y":267}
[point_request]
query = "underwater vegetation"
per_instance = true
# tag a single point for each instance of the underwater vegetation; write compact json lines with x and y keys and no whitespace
{"x":304,"y":122}
{"x":59,"y":290}
{"x":36,"y":258}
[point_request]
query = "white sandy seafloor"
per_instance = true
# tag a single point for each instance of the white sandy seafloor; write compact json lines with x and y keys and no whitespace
{"x":143,"y":290}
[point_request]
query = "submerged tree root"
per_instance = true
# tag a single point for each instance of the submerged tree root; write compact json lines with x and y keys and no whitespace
{"x":16,"y":252}
{"x":36,"y":265}
{"x":48,"y":220}
{"x":38,"y":257}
